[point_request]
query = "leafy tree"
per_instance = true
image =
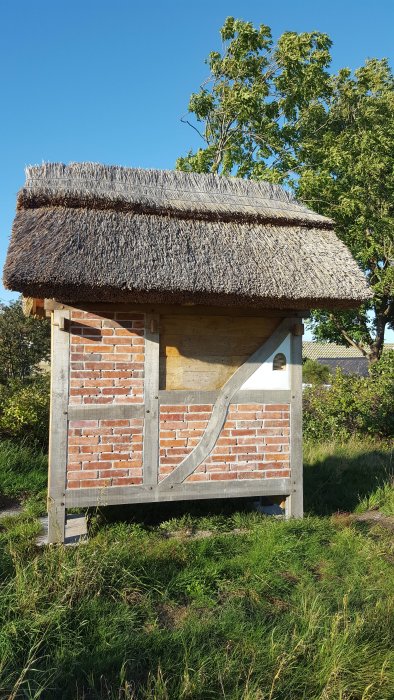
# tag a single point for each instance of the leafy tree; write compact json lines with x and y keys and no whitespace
{"x":249,"y":107}
{"x":315,"y":373}
{"x":274,"y":112}
{"x":24,"y":341}
{"x":346,"y":153}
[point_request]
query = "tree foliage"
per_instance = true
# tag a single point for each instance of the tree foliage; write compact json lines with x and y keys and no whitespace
{"x":249,"y":107}
{"x":24,"y":341}
{"x":273,"y":111}
{"x":346,"y":157}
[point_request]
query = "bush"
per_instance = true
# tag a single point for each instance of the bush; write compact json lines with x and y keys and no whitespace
{"x":315,"y":373}
{"x":353,"y":405}
{"x":24,"y":410}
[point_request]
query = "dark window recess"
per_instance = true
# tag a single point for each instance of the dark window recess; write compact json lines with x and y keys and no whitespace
{"x":279,"y":361}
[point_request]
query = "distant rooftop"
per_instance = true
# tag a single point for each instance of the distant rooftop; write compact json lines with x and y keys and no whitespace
{"x":318,"y":351}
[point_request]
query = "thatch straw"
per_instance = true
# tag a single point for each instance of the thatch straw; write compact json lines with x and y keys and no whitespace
{"x":91,"y":232}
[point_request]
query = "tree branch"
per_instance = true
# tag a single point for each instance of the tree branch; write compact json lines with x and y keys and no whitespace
{"x":348,"y":339}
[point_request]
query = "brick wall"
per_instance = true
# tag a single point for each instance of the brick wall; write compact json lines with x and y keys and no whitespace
{"x":253,"y":444}
{"x":106,"y":367}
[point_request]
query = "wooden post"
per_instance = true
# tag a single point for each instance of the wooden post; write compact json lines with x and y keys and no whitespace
{"x":60,"y":363}
{"x":294,"y":503}
{"x":151,"y":401}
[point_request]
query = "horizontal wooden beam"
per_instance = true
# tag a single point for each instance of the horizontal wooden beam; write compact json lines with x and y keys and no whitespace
{"x":189,"y":309}
{"x":187,"y":397}
{"x":105,"y":411}
{"x":117,"y":495}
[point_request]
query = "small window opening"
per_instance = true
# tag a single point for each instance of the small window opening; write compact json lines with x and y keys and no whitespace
{"x":279,"y":362}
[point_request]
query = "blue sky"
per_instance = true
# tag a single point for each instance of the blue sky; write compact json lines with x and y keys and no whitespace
{"x":108,"y":81}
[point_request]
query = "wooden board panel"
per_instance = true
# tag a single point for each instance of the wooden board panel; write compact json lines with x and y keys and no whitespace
{"x":202,"y":352}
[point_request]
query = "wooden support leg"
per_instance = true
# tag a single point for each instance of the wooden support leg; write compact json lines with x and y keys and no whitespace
{"x":294,"y":502}
{"x":56,"y":521}
{"x":294,"y":505}
{"x":60,"y":362}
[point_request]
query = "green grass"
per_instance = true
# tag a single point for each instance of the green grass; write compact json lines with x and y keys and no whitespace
{"x":23,"y":470}
{"x":299,"y":610}
{"x":340,"y":477}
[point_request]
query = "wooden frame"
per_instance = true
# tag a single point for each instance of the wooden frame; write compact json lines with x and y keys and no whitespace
{"x":173,"y":487}
{"x":58,"y":426}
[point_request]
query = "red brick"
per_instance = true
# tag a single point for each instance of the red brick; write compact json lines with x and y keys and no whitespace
{"x":275,"y":423}
{"x":82,"y":474}
{"x":250,"y":475}
{"x":174,"y":424}
{"x":222,"y":476}
{"x":277,"y":474}
{"x":129,"y":463}
{"x":127,"y":481}
{"x":98,"y":483}
{"x":249,"y":407}
{"x":220,"y":467}
{"x":166,"y":469}
{"x":110,"y":473}
{"x":73,"y":484}
{"x":197,"y":477}
{"x":83,"y":424}
{"x":277,"y":440}
{"x":275,"y":457}
{"x":277,"y":407}
{"x":99,"y":365}
{"x":201,"y":416}
{"x":187,"y":434}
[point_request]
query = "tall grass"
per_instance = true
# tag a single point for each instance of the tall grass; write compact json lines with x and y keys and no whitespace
{"x":287,"y":610}
{"x":23,"y":469}
{"x":298,"y":610}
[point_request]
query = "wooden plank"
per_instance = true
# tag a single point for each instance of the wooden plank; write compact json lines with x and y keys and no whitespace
{"x":151,"y":398}
{"x":203,"y":329}
{"x":193,"y":309}
{"x":294,"y":503}
{"x":265,"y":396}
{"x":114,"y":495}
{"x":205,"y":373}
{"x":219,"y":411}
{"x":203,"y":352}
{"x":187,"y":397}
{"x":106,"y":411}
{"x":60,"y":361}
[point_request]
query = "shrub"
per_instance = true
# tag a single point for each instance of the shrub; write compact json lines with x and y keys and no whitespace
{"x":315,"y":373}
{"x":24,"y":410}
{"x":352,"y":405}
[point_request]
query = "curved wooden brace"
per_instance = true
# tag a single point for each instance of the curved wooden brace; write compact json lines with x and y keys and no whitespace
{"x":220,"y":407}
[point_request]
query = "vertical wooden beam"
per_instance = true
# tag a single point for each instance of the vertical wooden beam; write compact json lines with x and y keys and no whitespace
{"x":295,"y":502}
{"x":151,"y":400}
{"x":60,"y":363}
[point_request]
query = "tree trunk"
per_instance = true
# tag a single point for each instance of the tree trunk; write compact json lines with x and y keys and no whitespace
{"x":377,"y":345}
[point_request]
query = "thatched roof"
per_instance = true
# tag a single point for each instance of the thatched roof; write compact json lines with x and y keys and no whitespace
{"x":96,"y":233}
